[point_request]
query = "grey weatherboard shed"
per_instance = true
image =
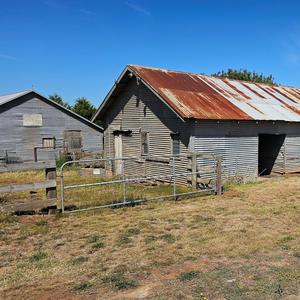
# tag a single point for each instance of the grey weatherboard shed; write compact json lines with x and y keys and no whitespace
{"x":254,"y":127}
{"x":29,"y":120}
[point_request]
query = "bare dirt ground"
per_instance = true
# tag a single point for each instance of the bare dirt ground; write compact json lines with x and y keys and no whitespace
{"x":243,"y":245}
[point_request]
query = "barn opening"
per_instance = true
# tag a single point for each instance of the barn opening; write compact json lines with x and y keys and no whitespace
{"x":269,"y":146}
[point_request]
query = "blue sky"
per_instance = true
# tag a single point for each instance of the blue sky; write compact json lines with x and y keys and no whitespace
{"x":78,"y":48}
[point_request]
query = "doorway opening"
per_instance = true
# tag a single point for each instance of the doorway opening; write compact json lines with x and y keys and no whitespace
{"x":269,"y":146}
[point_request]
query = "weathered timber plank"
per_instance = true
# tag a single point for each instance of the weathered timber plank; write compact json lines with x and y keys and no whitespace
{"x":28,"y":186}
{"x":26,"y":166}
{"x":50,"y":174}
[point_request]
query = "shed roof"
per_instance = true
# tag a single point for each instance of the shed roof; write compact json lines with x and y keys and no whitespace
{"x":8,"y":97}
{"x":205,"y":97}
{"x":4,"y":99}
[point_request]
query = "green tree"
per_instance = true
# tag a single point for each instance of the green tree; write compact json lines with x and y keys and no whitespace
{"x":58,"y":99}
{"x":246,"y":76}
{"x":84,"y":108}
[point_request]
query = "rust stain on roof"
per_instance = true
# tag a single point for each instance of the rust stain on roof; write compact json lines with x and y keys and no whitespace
{"x":189,"y":95}
{"x":205,"y":97}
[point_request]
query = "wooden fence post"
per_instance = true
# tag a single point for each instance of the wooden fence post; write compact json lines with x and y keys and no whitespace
{"x":194,"y":171}
{"x":219,"y":175}
{"x":51,"y":175}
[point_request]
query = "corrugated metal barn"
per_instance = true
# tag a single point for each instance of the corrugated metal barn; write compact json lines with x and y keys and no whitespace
{"x":33,"y":127}
{"x":254,"y":127}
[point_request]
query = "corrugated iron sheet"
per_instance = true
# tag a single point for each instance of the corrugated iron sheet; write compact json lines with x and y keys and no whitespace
{"x":10,"y":97}
{"x":205,"y":97}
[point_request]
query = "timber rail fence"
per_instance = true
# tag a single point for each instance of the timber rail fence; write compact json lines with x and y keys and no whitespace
{"x":49,"y":184}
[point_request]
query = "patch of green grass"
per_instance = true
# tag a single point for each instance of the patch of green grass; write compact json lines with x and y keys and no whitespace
{"x":286,"y":247}
{"x":286,"y":238}
{"x":98,"y":245}
{"x":38,"y":256}
{"x":169,"y":238}
{"x":132,"y":231}
{"x":6,"y":218}
{"x":203,"y":219}
{"x":126,"y":237}
{"x":187,"y":276}
{"x":93,"y":238}
{"x":296,"y":254}
{"x":82,"y":286}
{"x":150,"y":238}
{"x":118,"y":281}
{"x":96,"y":242}
{"x":79,"y":260}
{"x":41,"y":223}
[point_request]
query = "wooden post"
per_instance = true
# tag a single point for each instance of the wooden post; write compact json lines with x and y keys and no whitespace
{"x":50,"y":175}
{"x":219,"y":175}
{"x":284,"y":158}
{"x":194,"y":170}
{"x":35,"y":150}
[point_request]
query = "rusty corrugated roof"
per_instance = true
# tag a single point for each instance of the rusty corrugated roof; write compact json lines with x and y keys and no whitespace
{"x":205,"y":97}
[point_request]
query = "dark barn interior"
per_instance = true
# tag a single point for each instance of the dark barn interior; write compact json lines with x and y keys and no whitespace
{"x":269,"y":146}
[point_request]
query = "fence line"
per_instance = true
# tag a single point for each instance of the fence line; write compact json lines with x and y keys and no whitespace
{"x":172,"y":177}
{"x":49,"y":184}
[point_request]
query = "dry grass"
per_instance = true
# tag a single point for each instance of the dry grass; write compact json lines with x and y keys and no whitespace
{"x":244,"y":245}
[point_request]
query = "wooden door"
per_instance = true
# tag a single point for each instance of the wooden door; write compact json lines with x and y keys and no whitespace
{"x":118,"y":154}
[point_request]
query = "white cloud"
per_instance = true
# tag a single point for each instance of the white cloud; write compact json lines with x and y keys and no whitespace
{"x":136,"y":7}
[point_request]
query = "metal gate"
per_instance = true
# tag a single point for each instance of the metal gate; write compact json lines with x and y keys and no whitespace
{"x":113,"y":182}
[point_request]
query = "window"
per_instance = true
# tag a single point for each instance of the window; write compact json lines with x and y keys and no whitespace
{"x":145,"y":143}
{"x":32,"y":120}
{"x":49,"y":142}
{"x":175,"y":144}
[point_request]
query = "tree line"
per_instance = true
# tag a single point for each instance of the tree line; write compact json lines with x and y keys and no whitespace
{"x":82,"y":106}
{"x":243,"y":74}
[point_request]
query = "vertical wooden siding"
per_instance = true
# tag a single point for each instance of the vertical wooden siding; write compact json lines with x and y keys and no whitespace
{"x":20,"y":141}
{"x":138,"y":109}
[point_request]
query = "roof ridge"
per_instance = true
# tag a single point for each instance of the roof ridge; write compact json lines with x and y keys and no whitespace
{"x":8,"y":94}
{"x":205,"y":75}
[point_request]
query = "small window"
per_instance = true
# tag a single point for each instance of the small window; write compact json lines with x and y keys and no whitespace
{"x":175,"y":144}
{"x":49,"y":142}
{"x":145,"y":143}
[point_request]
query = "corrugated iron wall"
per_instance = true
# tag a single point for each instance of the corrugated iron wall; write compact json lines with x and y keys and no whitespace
{"x":237,"y":142}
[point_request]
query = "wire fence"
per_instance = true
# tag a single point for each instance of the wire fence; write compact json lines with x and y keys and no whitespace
{"x":113,"y":182}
